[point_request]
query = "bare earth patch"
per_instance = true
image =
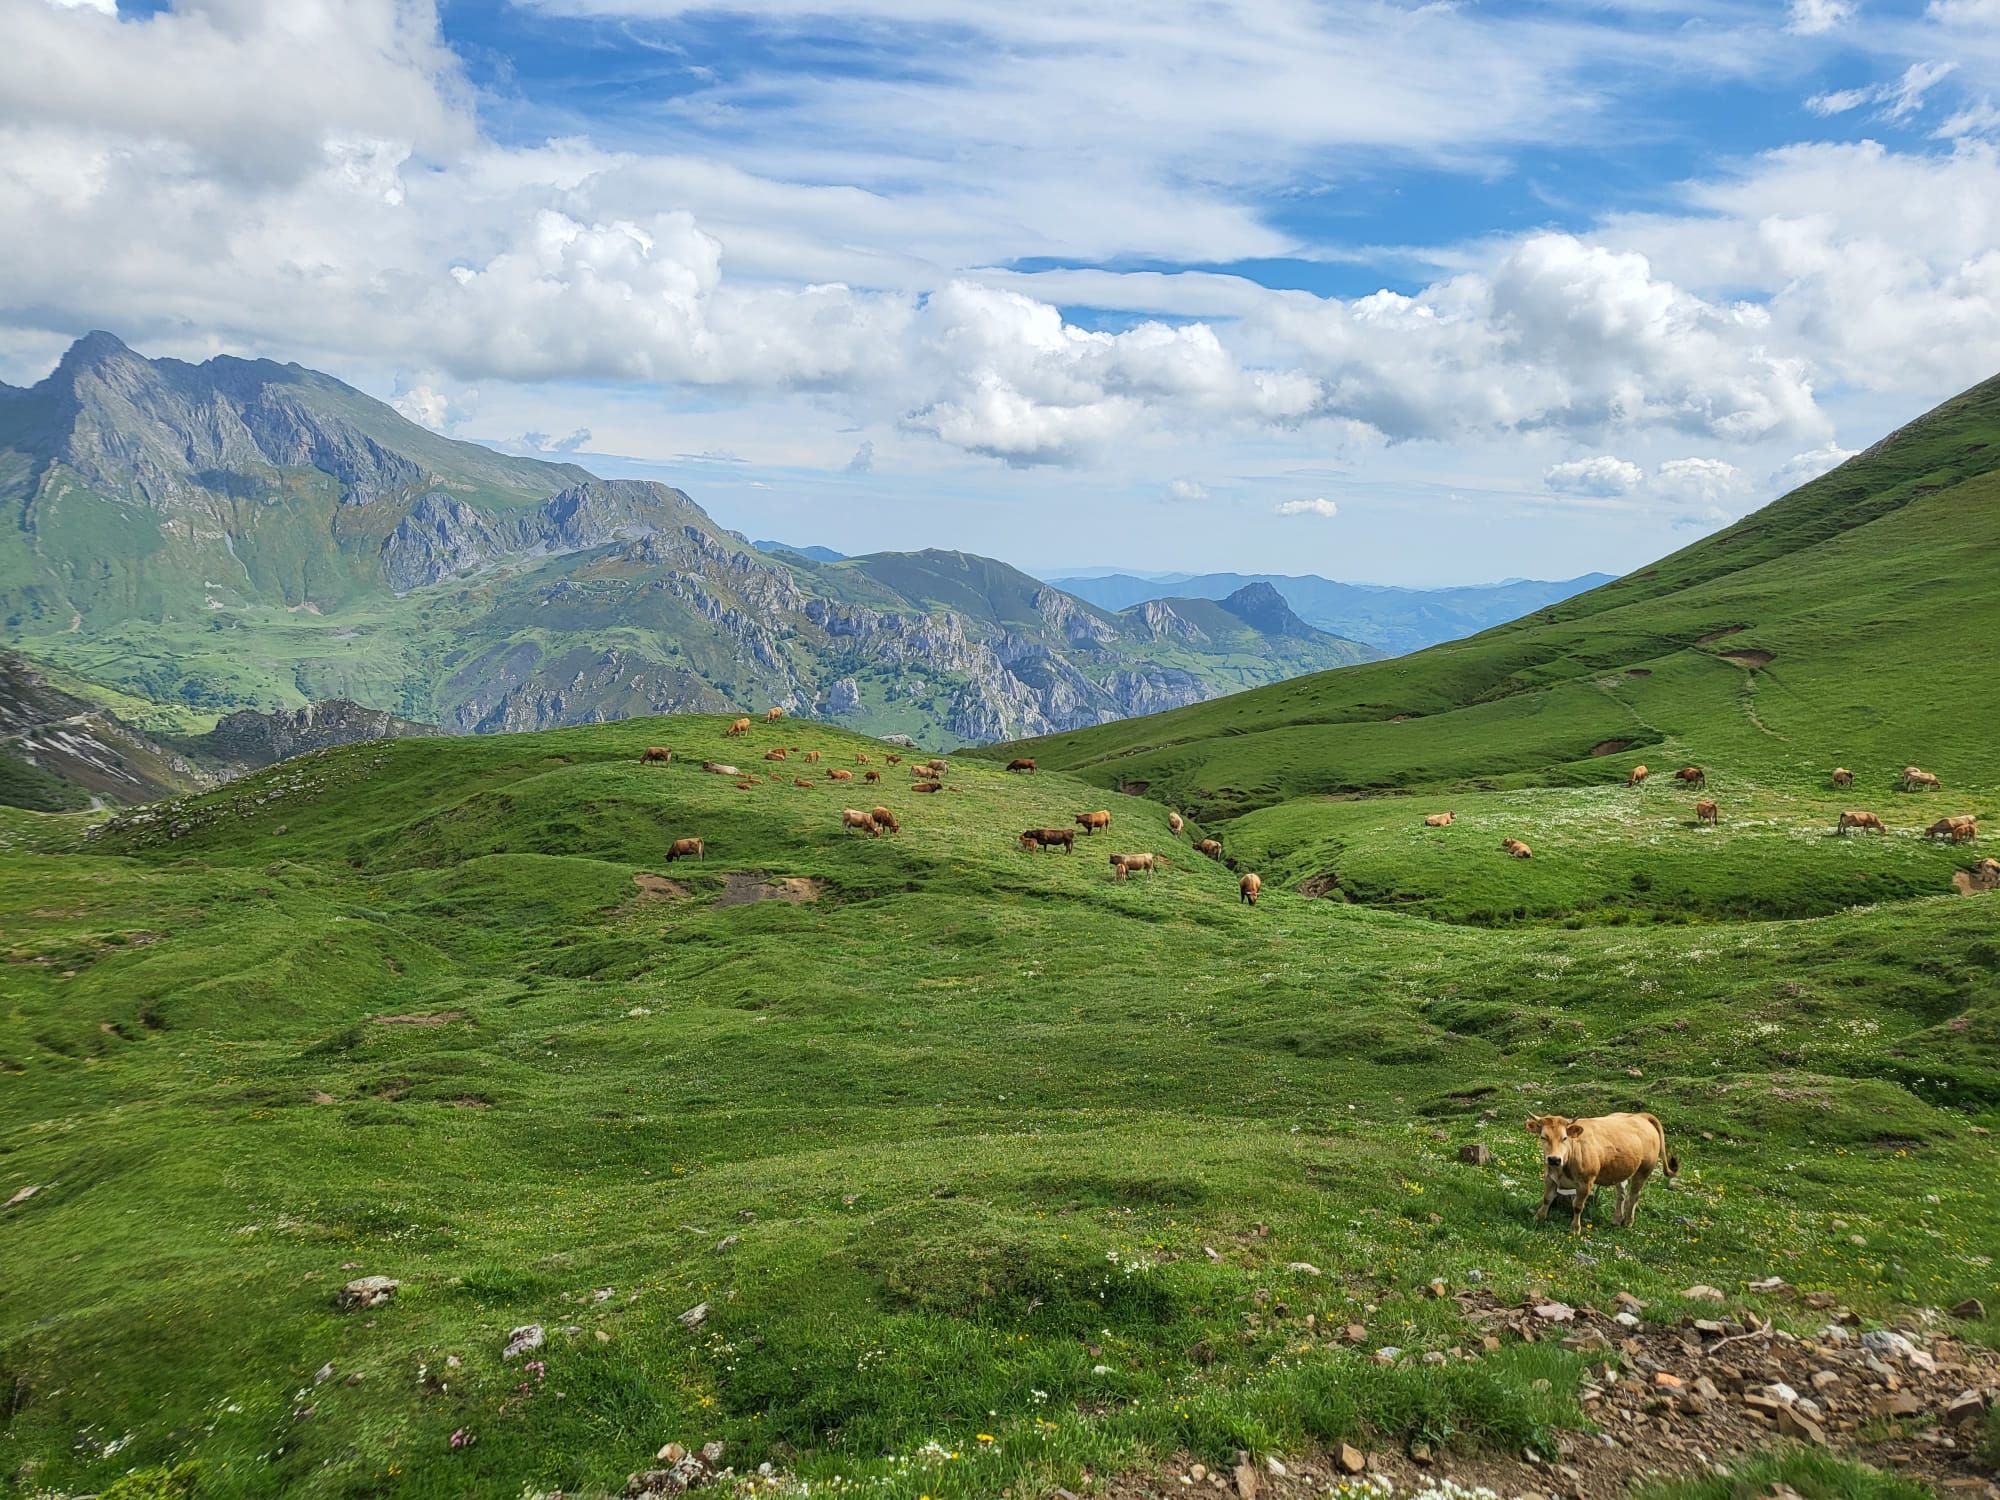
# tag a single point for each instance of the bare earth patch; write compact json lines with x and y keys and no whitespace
{"x":743,"y":887}
{"x":427,"y":1018}
{"x":1751,"y":659}
{"x":1610,"y":747}
{"x":660,"y":888}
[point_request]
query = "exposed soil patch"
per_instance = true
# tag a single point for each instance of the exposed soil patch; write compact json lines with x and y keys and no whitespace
{"x":1751,"y":659}
{"x":742,"y":887}
{"x":1134,"y":788}
{"x":660,"y":888}
{"x":1716,"y":635}
{"x":1325,"y":886}
{"x":426,"y":1018}
{"x":470,"y":1101}
{"x":1610,"y":747}
{"x":1639,"y":672}
{"x":555,"y":760}
{"x":1401,"y":718}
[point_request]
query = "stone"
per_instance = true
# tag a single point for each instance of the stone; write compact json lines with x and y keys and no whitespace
{"x":1355,"y":1333}
{"x":1767,"y":1284}
{"x":1971,"y":1309}
{"x":1796,"y":1425}
{"x":1350,"y":1459}
{"x":694,"y":1317}
{"x":1626,"y":1319}
{"x":1554,"y":1312}
{"x":323,"y":1374}
{"x":1420,"y":1454}
{"x":729,"y":1242}
{"x":711,"y":1453}
{"x":1475,"y":1153}
{"x":1825,"y":1380}
{"x":1887,"y":1341}
{"x":1967,"y":1406}
{"x":1246,"y":1481}
{"x":1902,"y":1404}
{"x":523,"y":1340}
{"x":24,"y":1194}
{"x":672,"y":1453}
{"x":1629,"y":1302}
{"x":1667,"y":1382}
{"x":1303,"y":1268}
{"x":1387,"y":1354}
{"x":1702,"y":1293}
{"x":365,"y":1292}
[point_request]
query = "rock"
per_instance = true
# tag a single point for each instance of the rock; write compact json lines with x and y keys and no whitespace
{"x":684,"y":1475}
{"x":1420,"y":1454}
{"x":522,"y":1340}
{"x":1710,"y":1327}
{"x":1902,"y":1404}
{"x":1768,"y":1284}
{"x":1626,"y":1320}
{"x":1629,"y":1302}
{"x":1967,"y":1406}
{"x":671,"y":1453}
{"x":1796,"y":1425}
{"x":1246,"y":1481}
{"x":1667,"y":1382}
{"x":24,"y":1194}
{"x":365,"y":1292}
{"x":1276,"y":1465}
{"x":729,"y":1242}
{"x":1475,"y":1153}
{"x":1355,"y":1333}
{"x":694,"y":1317}
{"x":1706,"y":1388}
{"x":1554,"y":1312}
{"x":323,"y":1374}
{"x":711,"y":1453}
{"x":1702,"y":1293}
{"x":1971,"y":1309}
{"x":1303,"y":1268}
{"x":1350,"y":1459}
{"x":1825,"y":1380}
{"x":1387,"y":1354}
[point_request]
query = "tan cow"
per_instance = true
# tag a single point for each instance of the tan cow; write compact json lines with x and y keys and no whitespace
{"x":779,"y":753}
{"x":687,"y":849}
{"x":656,"y":755}
{"x":1852,"y":819}
{"x":1962,"y":829}
{"x":740,"y":726}
{"x":927,"y":786}
{"x":717,"y":768}
{"x":860,"y":758}
{"x":937,"y":765}
{"x":801,"y":781}
{"x":1706,"y":811}
{"x":1580,"y":1156}
{"x":886,"y":819}
{"x":1248,"y":888}
{"x":1693,"y":776}
{"x":1842,"y":776}
{"x":1093,"y":822}
{"x":854,"y":817}
{"x":1638,"y":776}
{"x":894,"y":760}
{"x":812,"y":757}
{"x":1439,"y":820}
{"x":839,"y":775}
{"x":1124,"y":864}
{"x":772,"y":715}
{"x":1175,"y":823}
{"x":1915,"y":780}
{"x":1210,"y":847}
{"x":748,"y":783}
{"x":1516,"y":848}
{"x":1021,"y":763}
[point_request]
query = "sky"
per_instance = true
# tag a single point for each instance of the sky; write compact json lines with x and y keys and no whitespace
{"x":1407,"y":293}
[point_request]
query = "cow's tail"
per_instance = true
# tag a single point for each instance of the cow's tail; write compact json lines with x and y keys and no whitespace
{"x":1670,"y":1163}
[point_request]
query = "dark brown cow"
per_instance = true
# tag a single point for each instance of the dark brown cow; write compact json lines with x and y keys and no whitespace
{"x":871,"y":775}
{"x":1706,"y":811}
{"x":1023,"y":763}
{"x":687,"y":849}
{"x":1049,"y":838}
{"x":1693,"y":776}
{"x":927,"y":786}
{"x":656,"y":755}
{"x":886,"y":819}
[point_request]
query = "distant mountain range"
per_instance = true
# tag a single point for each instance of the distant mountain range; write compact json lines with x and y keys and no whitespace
{"x":190,"y":540}
{"x":1393,"y":620}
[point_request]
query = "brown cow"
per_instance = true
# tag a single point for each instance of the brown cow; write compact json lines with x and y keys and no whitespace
{"x":1705,"y":811}
{"x":839,"y":775}
{"x":1022,"y":763}
{"x":779,"y":753}
{"x":1439,"y":820}
{"x":687,"y":849}
{"x":860,"y":759}
{"x":854,"y":817}
{"x":1638,"y":776}
{"x":1915,"y":780}
{"x":801,"y":781}
{"x":871,"y":775}
{"x":886,"y":819}
{"x":1580,"y":1156}
{"x":772,"y":715}
{"x":1516,"y":848}
{"x":1248,"y":889}
{"x":717,"y":768}
{"x":927,"y":786}
{"x":740,"y":726}
{"x":1175,"y":823}
{"x":812,"y":757}
{"x":656,"y":755}
{"x":1049,"y":838}
{"x":1842,"y":776}
{"x":894,"y":760}
{"x":1093,"y":822}
{"x":747,"y":783}
{"x":1962,"y":829}
{"x":1124,"y":864}
{"x":1693,"y":776}
{"x":1859,"y":820}
{"x":1211,"y":847}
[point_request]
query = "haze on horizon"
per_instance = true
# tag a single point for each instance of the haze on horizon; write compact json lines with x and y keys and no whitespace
{"x":1415,"y":294}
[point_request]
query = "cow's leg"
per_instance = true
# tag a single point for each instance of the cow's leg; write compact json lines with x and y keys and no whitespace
{"x":1548,"y":1196}
{"x":1628,"y":1196}
{"x":1584,"y":1188}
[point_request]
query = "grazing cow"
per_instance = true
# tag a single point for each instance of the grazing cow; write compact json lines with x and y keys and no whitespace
{"x":886,"y":819}
{"x":740,"y":726}
{"x":937,"y":766}
{"x":717,"y":768}
{"x":772,"y":715}
{"x":1210,"y":847}
{"x":687,"y":849}
{"x":871,"y":775}
{"x":780,"y":753}
{"x":854,"y":817}
{"x":1580,"y":1156}
{"x":894,"y":760}
{"x":1705,"y":811}
{"x":1962,"y":829}
{"x":1248,"y":889}
{"x":1124,"y":864}
{"x":1516,"y":848}
{"x":927,"y":786}
{"x":1021,"y":763}
{"x":1859,"y":820}
{"x":812,"y":757}
{"x":1175,"y":823}
{"x":1093,"y":822}
{"x":1439,"y":820}
{"x":1638,"y":776}
{"x":860,"y":759}
{"x":1842,"y":776}
{"x":801,"y":781}
{"x":1049,"y":838}
{"x":1693,"y":776}
{"x":839,"y":775}
{"x":656,"y":755}
{"x":1919,"y":781}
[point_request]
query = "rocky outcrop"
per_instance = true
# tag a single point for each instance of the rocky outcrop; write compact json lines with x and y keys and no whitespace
{"x":63,"y":751}
{"x":248,"y":739}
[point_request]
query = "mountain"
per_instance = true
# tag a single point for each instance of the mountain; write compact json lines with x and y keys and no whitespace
{"x":59,"y":751}
{"x":1393,"y":620}
{"x":811,"y":554}
{"x":240,"y":534}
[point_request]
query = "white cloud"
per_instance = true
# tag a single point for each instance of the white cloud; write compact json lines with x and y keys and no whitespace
{"x":1817,"y":17}
{"x":1601,"y":477}
{"x":1186,"y":491}
{"x":430,"y":407}
{"x":1324,"y":509}
{"x":541,"y":442}
{"x":1802,"y":468}
{"x":1899,"y":100}
{"x":1965,"y":12}
{"x":1704,"y":481}
{"x":863,"y":461}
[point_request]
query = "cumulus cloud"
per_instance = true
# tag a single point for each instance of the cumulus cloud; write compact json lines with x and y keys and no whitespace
{"x":1325,"y":509}
{"x":541,"y":442}
{"x":1601,"y":477}
{"x":430,"y":407}
{"x":1702,"y":483}
{"x":1186,"y":491}
{"x":1965,"y":12}
{"x":1817,"y":17}
{"x":863,"y":461}
{"x":1802,"y":468}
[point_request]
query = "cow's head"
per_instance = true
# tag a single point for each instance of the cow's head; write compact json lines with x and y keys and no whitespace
{"x":1558,"y":1132}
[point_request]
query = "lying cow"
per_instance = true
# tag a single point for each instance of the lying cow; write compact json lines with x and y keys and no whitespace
{"x":801,"y":781}
{"x":1853,"y":819}
{"x":717,"y":768}
{"x":1021,"y":763}
{"x":927,"y":786}
{"x":1962,"y":829}
{"x":1439,"y":820}
{"x":854,"y":817}
{"x":656,"y":755}
{"x":1516,"y":848}
{"x":687,"y":849}
{"x":1580,"y":1156}
{"x":1984,"y":876}
{"x":1093,"y":822}
{"x":1248,"y":889}
{"x":839,"y":775}
{"x":1706,"y":811}
{"x":777,"y":753}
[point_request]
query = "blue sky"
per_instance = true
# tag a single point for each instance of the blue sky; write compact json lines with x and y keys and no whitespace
{"x":1407,"y":292}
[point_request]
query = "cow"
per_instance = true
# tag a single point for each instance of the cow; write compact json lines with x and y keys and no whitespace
{"x":801,"y":781}
{"x":748,"y":783}
{"x":1248,"y":889}
{"x":656,"y":755}
{"x":778,"y":753}
{"x":838,"y":775}
{"x":886,"y":819}
{"x":1915,"y":780}
{"x":1842,"y":776}
{"x":860,"y":758}
{"x":1439,"y":820}
{"x":739,"y":726}
{"x":693,"y":849}
{"x":717,"y":768}
{"x":1705,"y":811}
{"x":1124,"y":864}
{"x":1516,"y":848}
{"x":1693,"y":776}
{"x":772,"y":715}
{"x":1175,"y":823}
{"x":1580,"y":1156}
{"x":1638,"y":776}
{"x":812,"y":757}
{"x":1093,"y":822}
{"x":854,"y":817}
{"x":1049,"y":838}
{"x":1021,"y":763}
{"x":894,"y":760}
{"x":1962,"y":829}
{"x":1864,"y":820}
{"x":871,"y":775}
{"x":927,"y":786}
{"x":1211,"y":847}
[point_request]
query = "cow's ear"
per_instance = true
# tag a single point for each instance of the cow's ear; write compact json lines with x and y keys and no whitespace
{"x":1575,"y":1128}
{"x":1534,"y":1124}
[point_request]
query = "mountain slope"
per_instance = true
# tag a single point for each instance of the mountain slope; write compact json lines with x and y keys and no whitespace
{"x":1393,"y":620}
{"x":1840,"y":625}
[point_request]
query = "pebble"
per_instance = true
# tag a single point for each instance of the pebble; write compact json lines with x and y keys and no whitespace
{"x":524,"y":1339}
{"x":366,"y":1292}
